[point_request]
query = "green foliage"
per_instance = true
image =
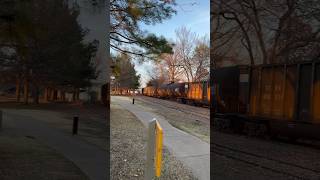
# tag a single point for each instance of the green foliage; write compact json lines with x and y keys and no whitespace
{"x":126,"y":34}
{"x":124,"y":72}
{"x":47,"y":40}
{"x":156,"y":45}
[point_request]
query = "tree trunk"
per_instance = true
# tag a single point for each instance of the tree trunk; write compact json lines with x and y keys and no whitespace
{"x":36,"y":94}
{"x":48,"y":94}
{"x":74,"y":95}
{"x":55,"y":95}
{"x":45,"y":95}
{"x":63,"y":96}
{"x":51,"y":94}
{"x":59,"y":95}
{"x":77,"y":93}
{"x":18,"y":89}
{"x":26,"y":91}
{"x":259,"y":34}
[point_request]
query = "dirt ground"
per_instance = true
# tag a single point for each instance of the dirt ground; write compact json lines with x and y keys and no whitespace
{"x":128,"y":143}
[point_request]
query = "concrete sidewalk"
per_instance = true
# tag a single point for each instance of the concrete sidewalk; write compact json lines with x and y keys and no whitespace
{"x":190,"y":150}
{"x":89,"y":158}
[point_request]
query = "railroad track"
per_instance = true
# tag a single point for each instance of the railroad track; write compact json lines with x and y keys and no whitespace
{"x":178,"y":107}
{"x":267,"y":163}
{"x":310,"y":143}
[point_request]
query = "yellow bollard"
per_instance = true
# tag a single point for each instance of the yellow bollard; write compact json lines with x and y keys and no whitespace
{"x":154,"y":150}
{"x":158,"y":154}
{"x":149,"y":169}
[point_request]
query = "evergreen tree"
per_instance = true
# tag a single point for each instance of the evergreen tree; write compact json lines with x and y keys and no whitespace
{"x":124,"y":72}
{"x":126,"y":34}
{"x":46,"y":47}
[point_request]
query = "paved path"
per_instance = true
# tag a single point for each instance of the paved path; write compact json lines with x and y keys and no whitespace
{"x":89,"y":158}
{"x":192,"y":151}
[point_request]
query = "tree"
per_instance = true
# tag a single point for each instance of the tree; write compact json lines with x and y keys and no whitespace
{"x":126,"y":34}
{"x":158,"y":75}
{"x":124,"y":72}
{"x":189,"y":61}
{"x":47,"y":47}
{"x":185,"y":44}
{"x":269,"y":31}
{"x":173,"y":67}
{"x":201,"y":59}
{"x":193,"y":54}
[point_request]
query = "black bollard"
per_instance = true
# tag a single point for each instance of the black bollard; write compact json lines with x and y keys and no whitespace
{"x":75,"y":125}
{"x":133,"y":101}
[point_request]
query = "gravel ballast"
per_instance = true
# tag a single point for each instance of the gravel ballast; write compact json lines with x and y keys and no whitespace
{"x":191,"y":119}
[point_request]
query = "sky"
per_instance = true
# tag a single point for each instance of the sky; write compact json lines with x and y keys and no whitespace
{"x":193,"y":14}
{"x":95,"y":20}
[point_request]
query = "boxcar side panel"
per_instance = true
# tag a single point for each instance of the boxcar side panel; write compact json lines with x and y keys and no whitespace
{"x":272,"y":92}
{"x":289,"y":99}
{"x":243,"y":90}
{"x":278,"y":92}
{"x":162,"y":92}
{"x":227,"y":92}
{"x":266,"y":91}
{"x":316,"y":95}
{"x":204,"y":91}
{"x":195,"y":91}
{"x":254,"y":92}
{"x":305,"y":92}
{"x":199,"y":91}
{"x":149,"y":91}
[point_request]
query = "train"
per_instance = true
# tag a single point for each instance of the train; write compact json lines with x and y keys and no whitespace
{"x":123,"y":91}
{"x":273,"y":100}
{"x":193,"y":93}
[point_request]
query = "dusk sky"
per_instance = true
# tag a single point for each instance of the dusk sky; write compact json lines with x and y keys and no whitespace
{"x":193,"y":14}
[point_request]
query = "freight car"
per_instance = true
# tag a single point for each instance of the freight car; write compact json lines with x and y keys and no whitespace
{"x":149,"y":91}
{"x":171,"y":91}
{"x":195,"y":93}
{"x":198,"y":93}
{"x":278,"y":99}
{"x":122,"y":91}
{"x":177,"y":90}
